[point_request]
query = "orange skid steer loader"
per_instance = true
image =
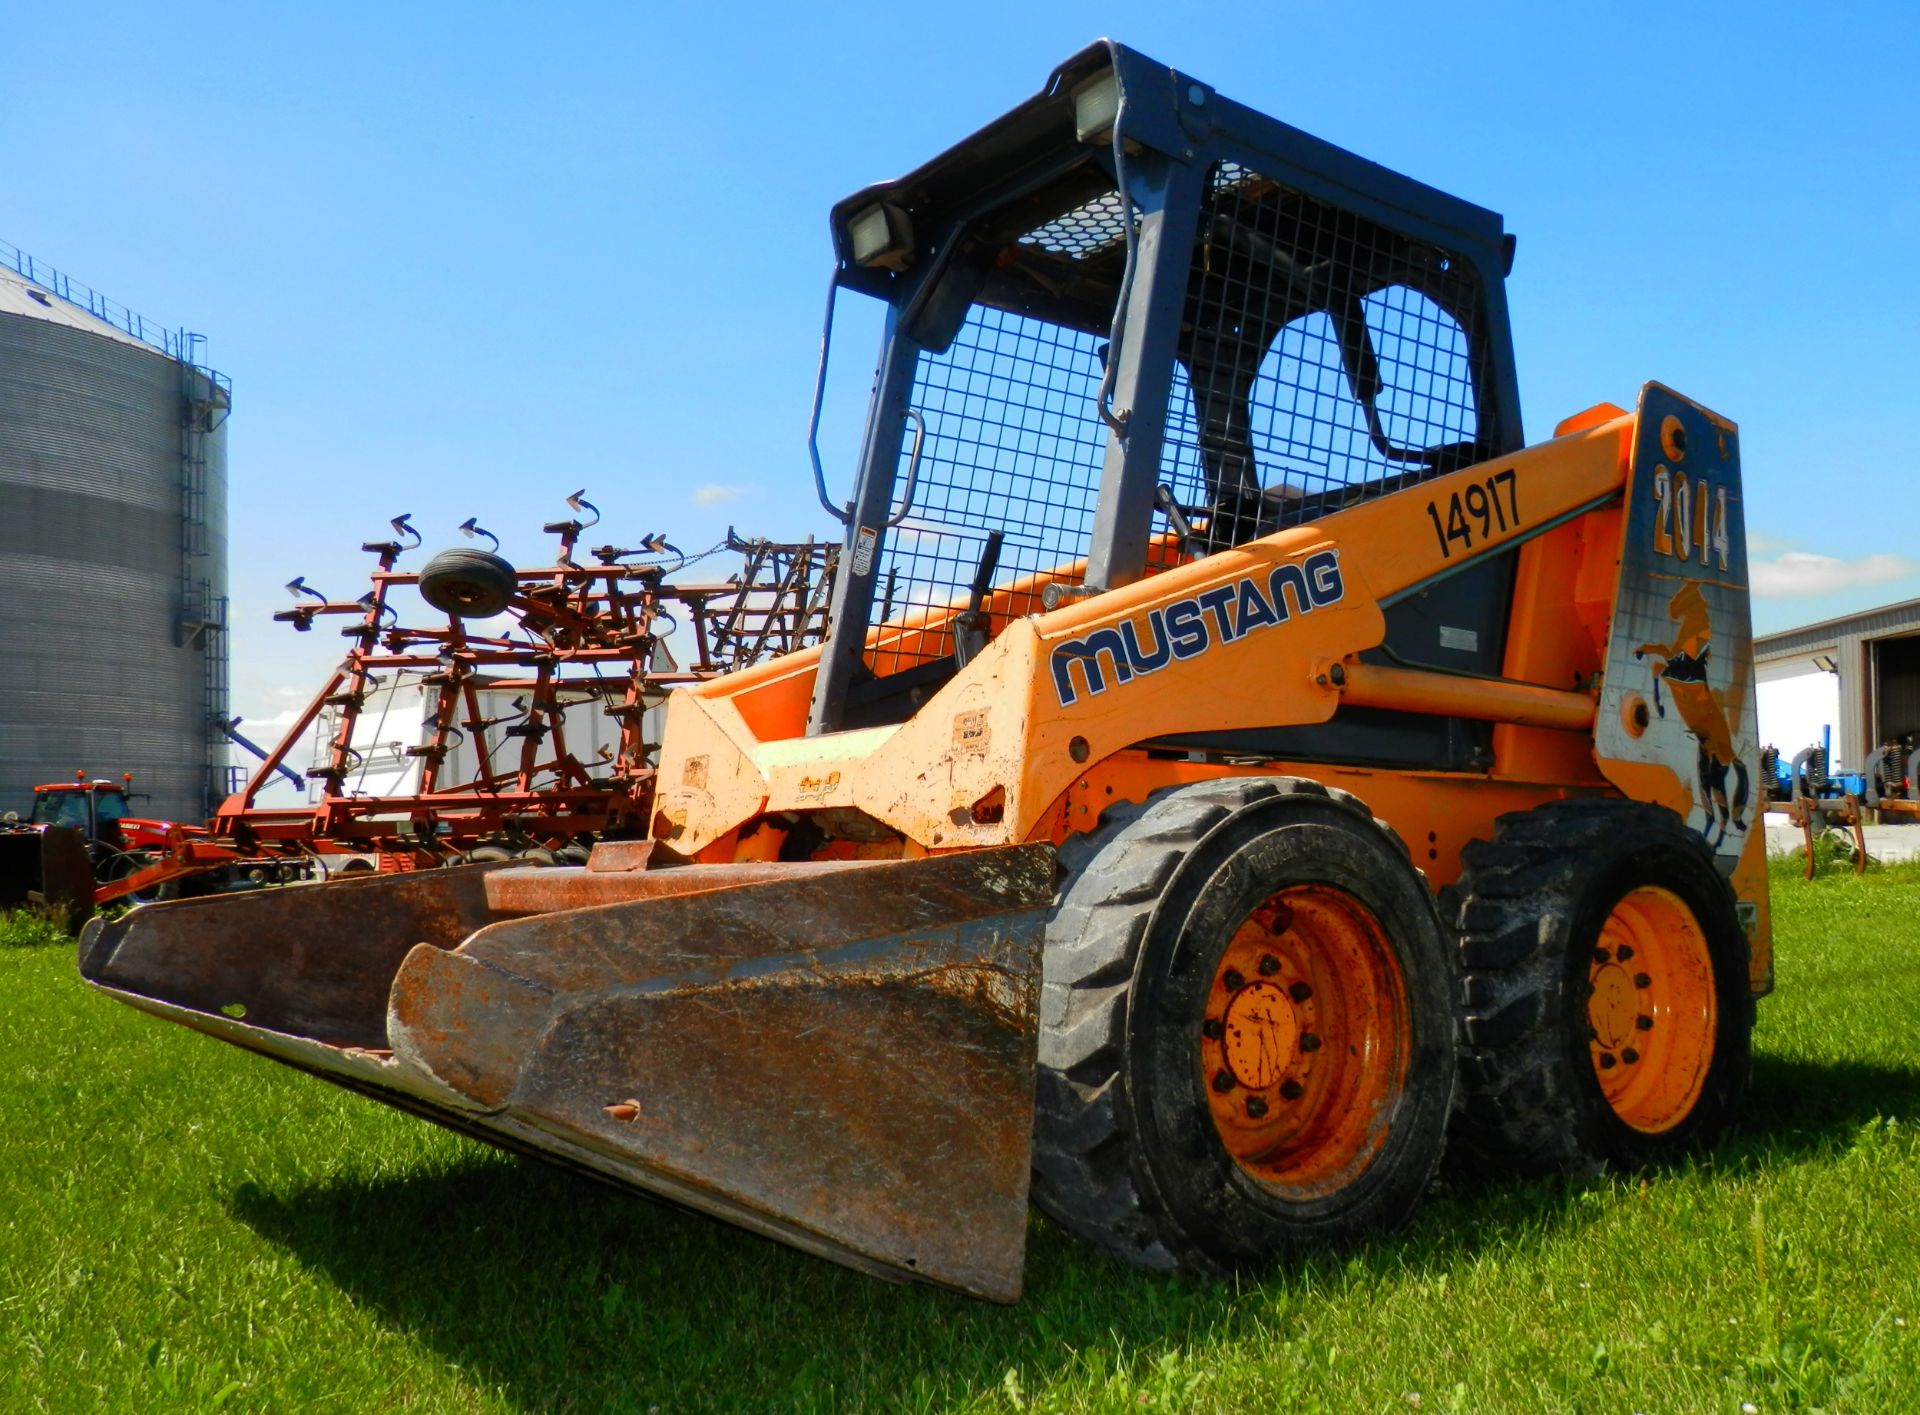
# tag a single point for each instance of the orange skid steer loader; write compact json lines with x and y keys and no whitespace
{"x":1237,"y":761}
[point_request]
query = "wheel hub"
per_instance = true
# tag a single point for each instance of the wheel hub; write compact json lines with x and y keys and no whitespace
{"x":1651,"y":1010}
{"x":1613,"y":1006}
{"x":1302,"y":1044}
{"x":1261,"y":1036}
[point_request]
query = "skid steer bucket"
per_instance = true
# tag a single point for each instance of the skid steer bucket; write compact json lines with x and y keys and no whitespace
{"x":839,"y":1055}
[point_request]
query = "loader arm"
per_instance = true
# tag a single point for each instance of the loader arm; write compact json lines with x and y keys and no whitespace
{"x":1248,"y":637}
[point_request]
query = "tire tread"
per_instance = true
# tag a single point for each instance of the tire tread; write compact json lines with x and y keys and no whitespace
{"x":1512,"y":912}
{"x":1083,"y":1177}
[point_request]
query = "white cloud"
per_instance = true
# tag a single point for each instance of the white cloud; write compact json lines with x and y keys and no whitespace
{"x":1799,"y":573}
{"x":283,"y":719}
{"x":713,"y":494}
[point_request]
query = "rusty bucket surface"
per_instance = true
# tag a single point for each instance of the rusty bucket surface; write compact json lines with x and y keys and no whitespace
{"x":838,"y":1055}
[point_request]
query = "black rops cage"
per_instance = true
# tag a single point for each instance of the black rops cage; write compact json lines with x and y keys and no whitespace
{"x":1264,"y":329}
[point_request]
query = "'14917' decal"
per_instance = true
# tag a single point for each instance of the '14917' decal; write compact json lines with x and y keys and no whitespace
{"x":1492,"y":504}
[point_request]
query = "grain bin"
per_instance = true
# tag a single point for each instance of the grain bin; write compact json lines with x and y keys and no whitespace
{"x":113,"y":548}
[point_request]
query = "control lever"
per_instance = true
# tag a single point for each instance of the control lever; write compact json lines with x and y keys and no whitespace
{"x":970,"y":625}
{"x":1190,"y":541}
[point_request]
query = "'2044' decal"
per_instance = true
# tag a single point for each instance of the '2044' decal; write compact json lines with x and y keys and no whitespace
{"x":1689,"y":517}
{"x":1493,"y":505}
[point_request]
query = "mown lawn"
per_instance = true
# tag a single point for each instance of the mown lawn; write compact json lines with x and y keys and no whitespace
{"x":183,"y":1226}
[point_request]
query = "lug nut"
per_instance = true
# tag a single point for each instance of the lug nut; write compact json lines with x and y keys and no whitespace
{"x":1642,"y":980}
{"x":1643,"y":1022}
{"x":1625,"y":954}
{"x":1606,"y":1061}
{"x":1256,"y":1107}
{"x":1600,"y":955}
{"x":1211,"y":1029}
{"x":1222,"y":1081}
{"x":1309,"y":1042}
{"x":1291,"y":1089}
{"x":1629,"y":1056}
{"x":1299,"y":992}
{"x":1233,"y":981}
{"x":1269,"y":965}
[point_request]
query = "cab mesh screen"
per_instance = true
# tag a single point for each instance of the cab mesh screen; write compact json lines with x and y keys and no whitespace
{"x":1013,"y":443}
{"x":1293,"y":307}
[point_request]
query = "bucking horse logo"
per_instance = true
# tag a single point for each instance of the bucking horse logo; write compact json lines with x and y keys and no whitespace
{"x":1682,"y":666}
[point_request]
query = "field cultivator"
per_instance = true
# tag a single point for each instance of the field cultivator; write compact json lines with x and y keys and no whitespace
{"x":1818,"y":803}
{"x":1885,"y":785}
{"x":501,"y":661}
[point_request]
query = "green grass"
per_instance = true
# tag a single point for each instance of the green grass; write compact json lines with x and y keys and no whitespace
{"x":183,"y":1226}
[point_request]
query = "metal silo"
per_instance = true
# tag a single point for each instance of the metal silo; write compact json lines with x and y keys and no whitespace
{"x":113,"y":548}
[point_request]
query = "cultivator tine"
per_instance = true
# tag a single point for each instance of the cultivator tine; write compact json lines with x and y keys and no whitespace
{"x":840,"y":1056}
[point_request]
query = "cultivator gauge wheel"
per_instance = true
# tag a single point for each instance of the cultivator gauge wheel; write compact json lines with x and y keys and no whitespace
{"x":468,"y":584}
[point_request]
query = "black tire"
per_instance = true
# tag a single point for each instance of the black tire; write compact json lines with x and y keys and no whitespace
{"x":1126,"y":1151}
{"x":468,"y":584}
{"x":123,"y":863}
{"x":487,"y":854}
{"x":1530,"y":907}
{"x":112,"y":866}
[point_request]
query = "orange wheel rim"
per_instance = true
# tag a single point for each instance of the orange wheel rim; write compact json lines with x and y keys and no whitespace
{"x":1304,"y":1045}
{"x":1651,"y":1010}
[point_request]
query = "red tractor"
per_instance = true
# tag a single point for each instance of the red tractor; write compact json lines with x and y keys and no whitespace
{"x":78,"y":837}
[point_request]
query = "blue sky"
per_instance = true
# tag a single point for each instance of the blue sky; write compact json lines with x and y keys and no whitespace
{"x":460,"y":260}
